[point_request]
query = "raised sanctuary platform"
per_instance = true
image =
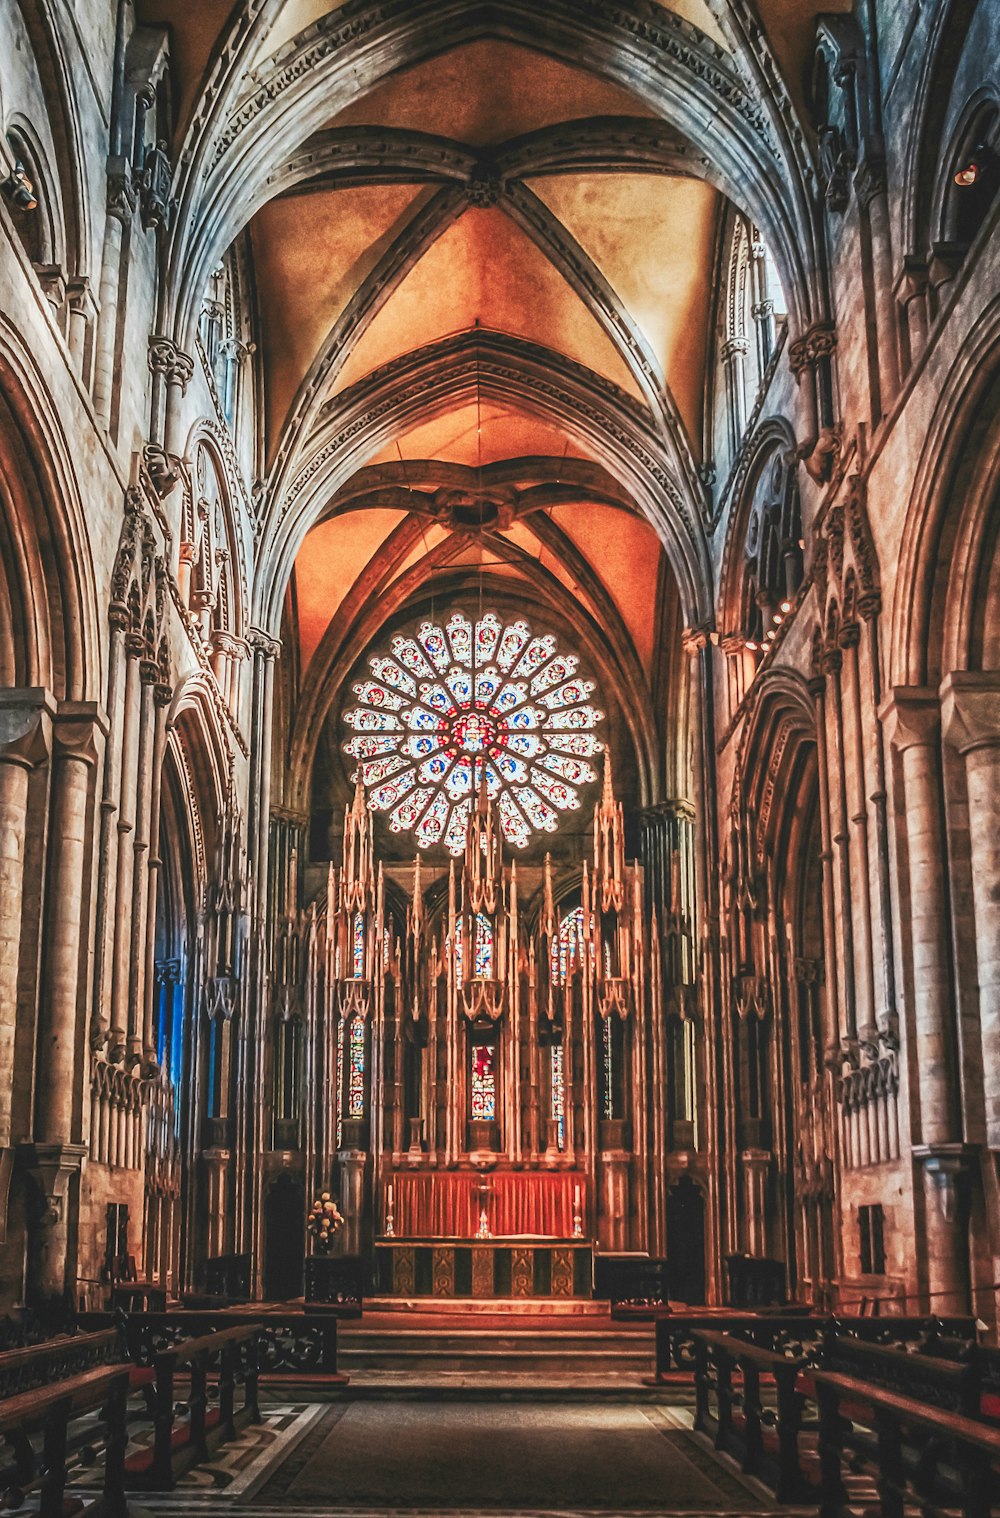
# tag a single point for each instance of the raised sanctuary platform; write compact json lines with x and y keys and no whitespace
{"x":519,"y":1267}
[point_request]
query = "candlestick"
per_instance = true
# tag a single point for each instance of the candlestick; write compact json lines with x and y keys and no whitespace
{"x":390,"y":1231}
{"x":577,"y":1215}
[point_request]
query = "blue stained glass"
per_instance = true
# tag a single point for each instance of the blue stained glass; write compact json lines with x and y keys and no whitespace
{"x":436,"y":696}
{"x":510,"y":695}
{"x":356,"y":1072}
{"x":558,"y":1108}
{"x":340,"y":1084}
{"x":460,"y":684}
{"x":608,"y":1057}
{"x":358,"y":946}
{"x":435,"y":768}
{"x":434,"y":645}
{"x":420,"y":745}
{"x":484,"y":947}
{"x":472,"y":719}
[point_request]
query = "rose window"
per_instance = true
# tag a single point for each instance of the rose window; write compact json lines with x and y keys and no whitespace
{"x":448,"y":709}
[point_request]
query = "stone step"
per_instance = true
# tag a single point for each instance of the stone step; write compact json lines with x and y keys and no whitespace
{"x":531,"y":1353}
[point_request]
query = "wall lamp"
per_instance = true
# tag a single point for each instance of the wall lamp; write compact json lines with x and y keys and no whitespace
{"x":19,"y":189}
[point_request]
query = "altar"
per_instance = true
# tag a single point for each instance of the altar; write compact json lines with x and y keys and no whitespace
{"x":513,"y":1266}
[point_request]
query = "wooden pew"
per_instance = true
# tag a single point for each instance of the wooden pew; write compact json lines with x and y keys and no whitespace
{"x":741,"y":1423}
{"x":939,"y":1461}
{"x":48,"y":1411}
{"x":175,"y":1449}
{"x":794,"y":1334}
{"x":293,"y":1344}
{"x":56,"y":1359}
{"x":950,"y":1385}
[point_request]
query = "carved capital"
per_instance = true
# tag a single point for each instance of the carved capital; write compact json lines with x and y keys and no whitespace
{"x":912,"y":716}
{"x":694,"y":639}
{"x":970,"y":710}
{"x":25,"y":727}
{"x":77,"y":731}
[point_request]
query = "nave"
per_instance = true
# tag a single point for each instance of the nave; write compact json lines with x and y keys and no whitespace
{"x":500,"y":745}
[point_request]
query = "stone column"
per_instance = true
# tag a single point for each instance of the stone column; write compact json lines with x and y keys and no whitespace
{"x":161,"y":700}
{"x":352,"y":1196}
{"x":831,"y":1023}
{"x":913,"y":718}
{"x":971,"y":719}
{"x":869,"y":181}
{"x":121,"y":205}
{"x":25,"y":720}
{"x":763,"y":308}
{"x":733,"y":352}
{"x":122,"y":937}
{"x":138,"y":907}
{"x":57,"y":1154}
{"x":179,"y":375}
{"x":832,"y":663}
{"x":864,"y":964}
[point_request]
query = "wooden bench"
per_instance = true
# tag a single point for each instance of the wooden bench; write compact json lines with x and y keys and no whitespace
{"x":763,"y":1439}
{"x":178,"y":1447}
{"x":950,"y":1385}
{"x":48,"y":1411}
{"x":56,"y":1359}
{"x":920,"y":1456}
{"x":294,"y":1345}
{"x":799,"y":1334}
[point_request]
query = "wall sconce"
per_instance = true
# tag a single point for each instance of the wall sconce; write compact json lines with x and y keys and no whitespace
{"x":972,"y":170}
{"x":19,"y":189}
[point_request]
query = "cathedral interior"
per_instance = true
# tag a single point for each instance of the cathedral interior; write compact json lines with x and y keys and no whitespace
{"x":500,"y":754}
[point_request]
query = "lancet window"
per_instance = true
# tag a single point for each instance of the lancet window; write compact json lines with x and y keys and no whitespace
{"x":356,"y":1071}
{"x":558,"y":1105}
{"x":484,"y":1090}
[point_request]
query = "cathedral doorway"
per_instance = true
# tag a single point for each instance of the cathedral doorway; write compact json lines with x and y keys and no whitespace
{"x":284,"y":1249}
{"x":686,"y":1241}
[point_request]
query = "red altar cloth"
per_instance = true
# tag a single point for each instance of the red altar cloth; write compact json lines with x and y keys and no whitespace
{"x":447,"y":1205}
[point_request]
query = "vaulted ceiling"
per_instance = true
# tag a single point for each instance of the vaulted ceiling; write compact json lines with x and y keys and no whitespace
{"x":486,"y":187}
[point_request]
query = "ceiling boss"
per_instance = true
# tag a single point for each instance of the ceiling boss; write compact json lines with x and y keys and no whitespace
{"x":452,"y":709}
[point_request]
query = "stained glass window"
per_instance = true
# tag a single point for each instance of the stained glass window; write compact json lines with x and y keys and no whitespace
{"x":451,"y":706}
{"x":484,"y":947}
{"x":568,"y":945}
{"x":340,"y":1083}
{"x":608,"y":1055}
{"x":558,"y":1094}
{"x":356,"y":1071}
{"x":359,"y":946}
{"x":484,"y":1089}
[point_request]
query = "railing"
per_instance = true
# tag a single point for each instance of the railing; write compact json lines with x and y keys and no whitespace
{"x":740,"y":1423}
{"x":235,"y":1352}
{"x":290,"y":1343}
{"x":43,"y":1416}
{"x":936,"y":1461}
{"x":56,"y":1359}
{"x":796,"y":1335}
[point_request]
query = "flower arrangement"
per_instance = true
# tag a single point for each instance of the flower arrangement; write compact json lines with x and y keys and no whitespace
{"x":323,"y":1222}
